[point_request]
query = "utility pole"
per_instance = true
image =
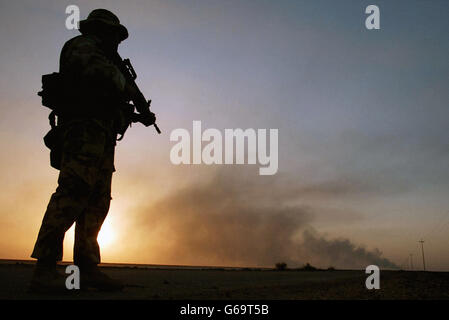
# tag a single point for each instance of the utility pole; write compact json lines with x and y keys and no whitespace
{"x":422,"y":250}
{"x":411,"y":261}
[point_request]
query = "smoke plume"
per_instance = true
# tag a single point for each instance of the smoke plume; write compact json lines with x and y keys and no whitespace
{"x":232,"y":221}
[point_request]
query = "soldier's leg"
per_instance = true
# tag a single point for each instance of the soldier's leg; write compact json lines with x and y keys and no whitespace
{"x":66,"y":204}
{"x":86,"y":250}
{"x":88,"y":225}
{"x":82,"y":153}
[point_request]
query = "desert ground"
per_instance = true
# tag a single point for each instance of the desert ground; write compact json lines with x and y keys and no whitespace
{"x":197,"y":283}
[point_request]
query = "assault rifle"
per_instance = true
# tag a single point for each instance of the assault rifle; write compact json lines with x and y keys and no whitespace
{"x":139,"y":102}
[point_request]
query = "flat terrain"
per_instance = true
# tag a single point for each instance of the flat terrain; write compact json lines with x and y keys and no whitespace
{"x":159,"y":282}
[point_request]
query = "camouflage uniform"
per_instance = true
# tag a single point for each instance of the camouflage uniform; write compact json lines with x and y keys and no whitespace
{"x":87,"y":122}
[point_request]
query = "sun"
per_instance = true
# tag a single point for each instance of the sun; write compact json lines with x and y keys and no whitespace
{"x":106,"y":236}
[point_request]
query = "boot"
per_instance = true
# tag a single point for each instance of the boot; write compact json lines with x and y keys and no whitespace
{"x":93,"y":277}
{"x":46,"y":278}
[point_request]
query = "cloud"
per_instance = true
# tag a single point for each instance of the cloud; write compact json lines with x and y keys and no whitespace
{"x":233,"y":221}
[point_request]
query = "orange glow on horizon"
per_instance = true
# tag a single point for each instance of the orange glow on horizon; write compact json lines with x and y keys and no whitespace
{"x":107,"y":235}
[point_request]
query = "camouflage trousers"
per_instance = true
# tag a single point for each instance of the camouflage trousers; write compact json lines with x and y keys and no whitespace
{"x":83,"y":194}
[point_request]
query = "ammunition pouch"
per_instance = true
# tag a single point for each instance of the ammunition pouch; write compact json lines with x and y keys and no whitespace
{"x":53,"y":141}
{"x":52,"y":93}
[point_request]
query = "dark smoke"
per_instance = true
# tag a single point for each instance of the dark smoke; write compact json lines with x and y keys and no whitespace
{"x":342,"y":252}
{"x":235,"y":222}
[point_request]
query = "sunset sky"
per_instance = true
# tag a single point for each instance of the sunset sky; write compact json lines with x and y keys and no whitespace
{"x":362,"y":117}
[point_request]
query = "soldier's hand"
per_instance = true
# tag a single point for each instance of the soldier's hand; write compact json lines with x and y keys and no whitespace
{"x":147,"y":119}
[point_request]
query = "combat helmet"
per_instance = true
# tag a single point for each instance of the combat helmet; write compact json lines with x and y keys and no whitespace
{"x":103,"y":18}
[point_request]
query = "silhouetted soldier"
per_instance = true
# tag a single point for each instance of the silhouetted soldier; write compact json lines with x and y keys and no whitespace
{"x":88,"y":123}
